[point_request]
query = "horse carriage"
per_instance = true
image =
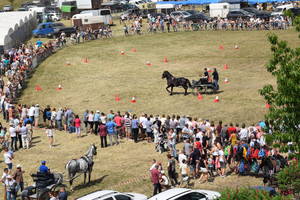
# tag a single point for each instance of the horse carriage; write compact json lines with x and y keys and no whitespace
{"x":44,"y":184}
{"x":203,"y":86}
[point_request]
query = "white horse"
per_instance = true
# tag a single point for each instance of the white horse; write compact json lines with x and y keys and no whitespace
{"x":82,"y":165}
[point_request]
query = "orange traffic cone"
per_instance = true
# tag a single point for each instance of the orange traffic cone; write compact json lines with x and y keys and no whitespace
{"x":85,"y":60}
{"x":268,"y":106}
{"x":221,"y":47}
{"x":209,"y":70}
{"x":38,"y":88}
{"x":216,"y":100}
{"x":117,"y":98}
{"x":236,"y":46}
{"x":148,"y":63}
{"x":226,"y":80}
{"x":68,"y":63}
{"x":226,"y":66}
{"x":166,"y":60}
{"x":133,"y":49}
{"x":133,"y":100}
{"x":122,"y":53}
{"x":199,"y":97}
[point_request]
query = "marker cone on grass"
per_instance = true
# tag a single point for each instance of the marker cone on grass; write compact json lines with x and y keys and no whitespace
{"x":226,"y":67}
{"x":199,"y":97}
{"x":236,"y":46}
{"x":166,"y":60}
{"x":221,"y":47}
{"x":117,"y":98}
{"x":209,"y":70}
{"x":226,"y":80}
{"x":122,"y":53}
{"x":59,"y":87}
{"x":38,"y":88}
{"x":148,"y":63}
{"x":133,"y":100}
{"x":268,"y":106}
{"x":133,"y":49}
{"x":85,"y":60}
{"x":216,"y":100}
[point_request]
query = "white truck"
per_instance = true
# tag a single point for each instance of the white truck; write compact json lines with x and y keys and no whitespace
{"x":281,"y":9}
{"x":221,"y":9}
{"x":101,"y":16}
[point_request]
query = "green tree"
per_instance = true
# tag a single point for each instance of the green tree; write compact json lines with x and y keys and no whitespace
{"x":284,"y":114}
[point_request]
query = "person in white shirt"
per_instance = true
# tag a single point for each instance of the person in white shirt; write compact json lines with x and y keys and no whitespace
{"x":23,"y":131}
{"x":50,"y":135}
{"x":244,"y":133}
{"x":13,"y":136}
{"x":184,"y":173}
{"x":8,"y":157}
{"x":164,"y":181}
{"x":36,"y":115}
{"x":11,"y":188}
{"x":31,"y":113}
{"x":181,"y":157}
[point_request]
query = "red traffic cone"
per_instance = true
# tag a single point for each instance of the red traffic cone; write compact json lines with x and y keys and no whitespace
{"x":133,"y":100}
{"x":59,"y":88}
{"x":148,"y":63}
{"x":221,"y":47}
{"x":117,"y":98}
{"x":236,"y":46}
{"x":122,"y":53}
{"x":38,"y":88}
{"x":268,"y":106}
{"x":226,"y":80}
{"x":199,"y":96}
{"x":85,"y":60}
{"x":133,"y":49}
{"x":68,"y":63}
{"x":209,"y":70}
{"x":226,"y":67}
{"x":165,"y":60}
{"x":216,"y":100}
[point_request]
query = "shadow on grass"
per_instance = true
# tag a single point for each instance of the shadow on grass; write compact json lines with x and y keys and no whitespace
{"x":93,"y":182}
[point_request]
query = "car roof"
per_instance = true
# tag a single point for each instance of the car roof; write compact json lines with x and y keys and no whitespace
{"x":97,"y":194}
{"x":170,"y":193}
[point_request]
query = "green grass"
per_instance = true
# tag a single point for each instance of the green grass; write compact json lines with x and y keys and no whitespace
{"x":94,"y":86}
{"x":15,"y":3}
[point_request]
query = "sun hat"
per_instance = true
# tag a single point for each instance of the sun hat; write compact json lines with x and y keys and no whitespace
{"x":19,"y":166}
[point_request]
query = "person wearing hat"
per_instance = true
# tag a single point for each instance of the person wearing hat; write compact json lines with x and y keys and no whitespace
{"x":11,"y":188}
{"x":18,"y":176}
{"x":43,"y":168}
{"x":164,"y":181}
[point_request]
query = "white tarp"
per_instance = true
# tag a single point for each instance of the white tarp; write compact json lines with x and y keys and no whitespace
{"x":15,"y":28}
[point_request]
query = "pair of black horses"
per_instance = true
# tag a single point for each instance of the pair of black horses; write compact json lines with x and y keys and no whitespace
{"x":176,"y":82}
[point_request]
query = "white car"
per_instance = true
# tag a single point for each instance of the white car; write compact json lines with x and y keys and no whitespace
{"x":112,"y":195}
{"x":186,"y":194}
{"x":179,"y":15}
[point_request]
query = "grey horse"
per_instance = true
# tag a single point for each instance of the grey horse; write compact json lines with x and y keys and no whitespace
{"x":82,"y":165}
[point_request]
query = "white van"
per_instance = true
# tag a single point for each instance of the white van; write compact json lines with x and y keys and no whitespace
{"x":280,"y":9}
{"x":221,"y":9}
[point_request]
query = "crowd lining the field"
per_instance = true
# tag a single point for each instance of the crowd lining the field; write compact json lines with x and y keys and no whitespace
{"x":210,"y":150}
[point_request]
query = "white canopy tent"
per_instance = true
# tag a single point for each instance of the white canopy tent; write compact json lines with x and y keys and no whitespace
{"x":15,"y":28}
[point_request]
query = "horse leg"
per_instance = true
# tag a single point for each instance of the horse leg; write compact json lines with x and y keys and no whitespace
{"x":90,"y":172}
{"x":84,"y":178}
{"x":171,"y":91}
{"x":167,"y":88}
{"x":71,"y":176}
{"x":185,"y":91}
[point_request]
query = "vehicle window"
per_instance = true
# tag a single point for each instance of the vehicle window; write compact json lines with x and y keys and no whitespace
{"x":192,"y":196}
{"x":109,"y":198}
{"x":122,"y":197}
{"x":105,"y":12}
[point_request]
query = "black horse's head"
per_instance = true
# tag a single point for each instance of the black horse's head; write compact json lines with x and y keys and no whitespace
{"x":166,"y":74}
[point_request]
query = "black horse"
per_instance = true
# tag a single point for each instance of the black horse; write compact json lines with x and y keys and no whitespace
{"x":176,"y":82}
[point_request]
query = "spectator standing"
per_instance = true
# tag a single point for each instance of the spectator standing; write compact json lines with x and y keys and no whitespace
{"x":11,"y":188}
{"x":50,"y":135}
{"x":172,"y":170}
{"x":18,"y":177}
{"x":13,"y":136}
{"x":135,"y":128}
{"x":96,"y":121}
{"x":8,"y":157}
{"x":77,"y":122}
{"x":155,"y":177}
{"x":103,"y":134}
{"x":111,"y":130}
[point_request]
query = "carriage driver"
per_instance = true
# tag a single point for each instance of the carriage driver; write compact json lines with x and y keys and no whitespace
{"x":43,"y":168}
{"x":205,"y":78}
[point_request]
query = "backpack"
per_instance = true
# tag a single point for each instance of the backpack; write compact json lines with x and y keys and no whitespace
{"x":254,"y":167}
{"x":261,"y":153}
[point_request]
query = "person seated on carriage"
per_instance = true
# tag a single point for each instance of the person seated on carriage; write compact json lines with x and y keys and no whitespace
{"x":205,"y":78}
{"x":43,"y":168}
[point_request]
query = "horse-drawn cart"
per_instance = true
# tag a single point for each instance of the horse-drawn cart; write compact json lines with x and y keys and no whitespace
{"x":203,"y":86}
{"x":45,"y":183}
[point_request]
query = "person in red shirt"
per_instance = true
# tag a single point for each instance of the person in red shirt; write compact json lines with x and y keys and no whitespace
{"x":155,"y":177}
{"x":102,"y":133}
{"x":231,"y":129}
{"x":198,"y":144}
{"x":77,"y":122}
{"x":118,"y":121}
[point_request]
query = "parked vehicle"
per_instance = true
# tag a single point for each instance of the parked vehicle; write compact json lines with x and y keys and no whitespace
{"x":235,"y":14}
{"x":54,"y":17}
{"x":183,"y":194}
{"x":102,"y":15}
{"x":192,"y":12}
{"x":113,"y":195}
{"x":281,"y":9}
{"x":179,"y":15}
{"x":218,"y":9}
{"x":295,"y":11}
{"x":67,"y":30}
{"x":258,"y":13}
{"x":7,"y":8}
{"x":45,"y":29}
{"x":198,"y":18}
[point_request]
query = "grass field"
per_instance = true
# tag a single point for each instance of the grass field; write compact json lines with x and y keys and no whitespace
{"x":95,"y":84}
